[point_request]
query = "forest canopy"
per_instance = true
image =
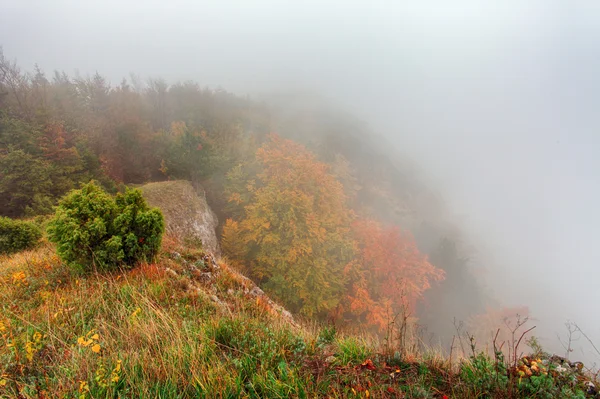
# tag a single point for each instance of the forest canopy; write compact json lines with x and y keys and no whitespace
{"x":311,"y":207}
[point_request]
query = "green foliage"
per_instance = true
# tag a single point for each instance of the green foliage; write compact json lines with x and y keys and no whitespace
{"x":24,"y":184}
{"x":326,"y":336}
{"x":38,"y":164}
{"x":17,"y":235}
{"x":140,"y":227}
{"x":91,"y":229}
{"x":491,"y":378}
{"x":548,"y":386}
{"x":352,"y":350}
{"x":484,"y":374}
{"x":266,"y":358}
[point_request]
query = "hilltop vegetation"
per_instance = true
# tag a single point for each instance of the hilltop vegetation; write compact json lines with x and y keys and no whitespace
{"x":188,"y":327}
{"x":311,"y":207}
{"x":296,"y":207}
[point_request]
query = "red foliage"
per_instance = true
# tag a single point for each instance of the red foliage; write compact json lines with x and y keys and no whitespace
{"x":390,"y":274}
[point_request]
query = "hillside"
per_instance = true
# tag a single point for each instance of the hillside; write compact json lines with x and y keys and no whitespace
{"x":302,"y":256}
{"x":188,"y":326}
{"x":309,"y":203}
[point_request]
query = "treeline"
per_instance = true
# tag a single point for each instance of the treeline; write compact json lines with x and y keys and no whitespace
{"x":319,"y":213}
{"x":57,"y":132}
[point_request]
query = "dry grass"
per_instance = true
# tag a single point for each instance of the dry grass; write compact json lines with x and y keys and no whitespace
{"x":155,"y":332}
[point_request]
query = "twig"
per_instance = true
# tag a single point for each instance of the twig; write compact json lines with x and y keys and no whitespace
{"x":586,"y":337}
{"x":518,"y":342}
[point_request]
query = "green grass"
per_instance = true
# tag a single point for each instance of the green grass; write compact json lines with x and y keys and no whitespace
{"x":154,"y":332}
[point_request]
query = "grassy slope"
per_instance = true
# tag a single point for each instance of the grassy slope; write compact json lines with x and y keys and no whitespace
{"x":170,"y":330}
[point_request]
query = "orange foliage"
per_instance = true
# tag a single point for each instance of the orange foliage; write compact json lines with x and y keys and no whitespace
{"x":296,"y":228}
{"x":56,"y":147}
{"x":390,"y":273}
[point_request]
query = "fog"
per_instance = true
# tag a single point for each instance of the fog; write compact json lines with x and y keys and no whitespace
{"x":496,"y":102}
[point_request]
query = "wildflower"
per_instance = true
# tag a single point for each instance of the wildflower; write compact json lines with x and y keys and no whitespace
{"x":84,"y":386}
{"x":104,"y":379}
{"x":116,"y":373}
{"x":29,"y":351}
{"x":90,"y":340}
{"x":100,"y":376}
{"x":19,"y":278}
{"x":33,"y":346}
{"x":135,"y":313}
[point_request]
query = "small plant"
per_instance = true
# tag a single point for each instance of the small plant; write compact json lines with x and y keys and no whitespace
{"x":17,"y":235}
{"x":94,"y":230}
{"x":326,"y":336}
{"x":352,"y":350}
{"x":484,"y":374}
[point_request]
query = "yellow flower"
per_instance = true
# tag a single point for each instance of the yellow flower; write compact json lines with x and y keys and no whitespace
{"x":29,"y":351}
{"x":90,"y":338}
{"x":96,"y":348}
{"x":19,"y":278}
{"x":83,"y":386}
{"x":135,"y":314}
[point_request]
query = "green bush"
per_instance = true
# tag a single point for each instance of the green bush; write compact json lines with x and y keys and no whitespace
{"x":93,"y":230}
{"x":17,"y":235}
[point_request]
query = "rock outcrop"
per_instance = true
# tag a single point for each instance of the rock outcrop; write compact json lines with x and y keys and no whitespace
{"x":188,"y":216}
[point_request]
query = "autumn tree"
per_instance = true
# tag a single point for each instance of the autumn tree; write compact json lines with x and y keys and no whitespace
{"x":296,"y":228}
{"x":389,"y":274}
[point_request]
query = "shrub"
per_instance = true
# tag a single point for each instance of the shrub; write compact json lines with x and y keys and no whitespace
{"x":17,"y":235}
{"x":94,"y":230}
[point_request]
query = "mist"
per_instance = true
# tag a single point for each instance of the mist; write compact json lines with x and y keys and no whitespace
{"x":496,"y":104}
